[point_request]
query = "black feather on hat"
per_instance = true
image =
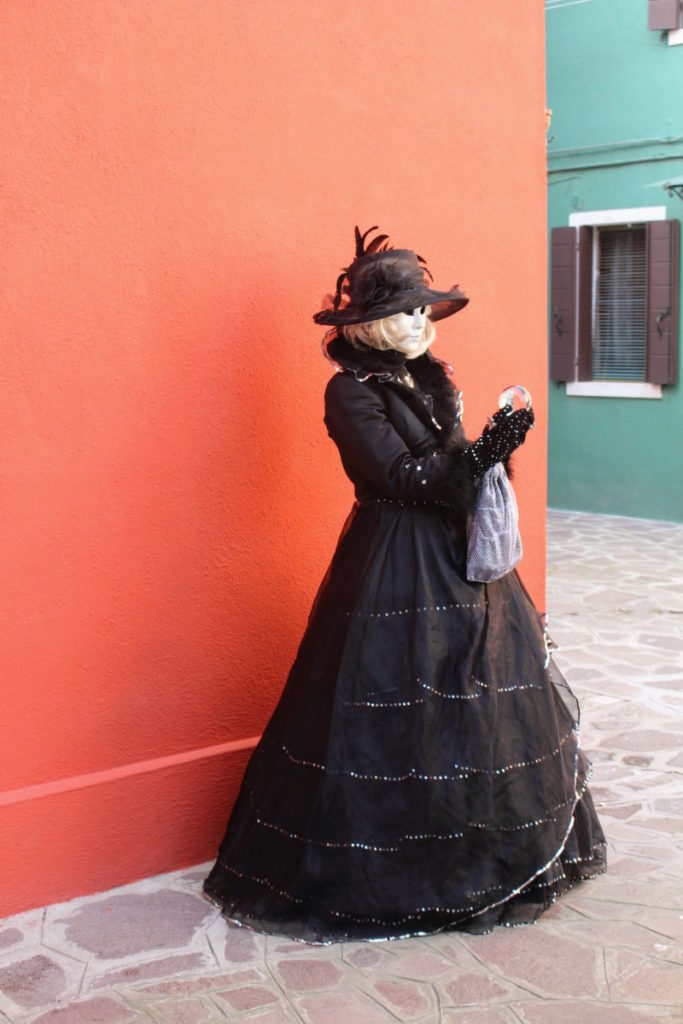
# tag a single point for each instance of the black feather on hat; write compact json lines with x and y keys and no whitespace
{"x":382,"y":281}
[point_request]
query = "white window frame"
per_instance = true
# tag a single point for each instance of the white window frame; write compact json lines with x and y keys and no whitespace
{"x":675,"y":35}
{"x":614,"y":388}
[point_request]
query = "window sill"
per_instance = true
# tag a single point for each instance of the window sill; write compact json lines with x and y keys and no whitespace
{"x":613,"y":389}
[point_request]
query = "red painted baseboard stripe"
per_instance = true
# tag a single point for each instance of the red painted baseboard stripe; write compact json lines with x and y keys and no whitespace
{"x":42,"y":789}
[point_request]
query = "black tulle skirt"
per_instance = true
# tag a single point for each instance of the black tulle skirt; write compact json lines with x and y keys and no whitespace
{"x":422,"y":769}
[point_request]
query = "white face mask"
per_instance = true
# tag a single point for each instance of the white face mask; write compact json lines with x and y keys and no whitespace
{"x":407,"y":331}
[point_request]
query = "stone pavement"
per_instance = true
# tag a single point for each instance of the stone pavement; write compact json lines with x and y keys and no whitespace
{"x":609,"y":952}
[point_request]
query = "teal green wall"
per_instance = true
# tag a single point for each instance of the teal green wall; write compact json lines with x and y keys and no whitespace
{"x":616,"y":92}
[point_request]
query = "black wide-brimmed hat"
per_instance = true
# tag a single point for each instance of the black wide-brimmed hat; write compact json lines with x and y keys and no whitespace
{"x":382,"y":281}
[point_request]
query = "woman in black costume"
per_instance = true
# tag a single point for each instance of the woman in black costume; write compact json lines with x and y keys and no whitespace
{"x":422,"y":769}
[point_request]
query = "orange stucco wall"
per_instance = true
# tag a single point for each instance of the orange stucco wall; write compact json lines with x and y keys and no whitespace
{"x":181,"y":182}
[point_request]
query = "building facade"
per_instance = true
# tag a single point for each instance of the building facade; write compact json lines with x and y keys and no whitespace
{"x":184,"y":180}
{"x":615,"y":158}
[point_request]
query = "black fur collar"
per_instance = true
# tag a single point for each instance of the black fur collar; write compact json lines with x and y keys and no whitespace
{"x":389,"y":366}
{"x":365,"y":361}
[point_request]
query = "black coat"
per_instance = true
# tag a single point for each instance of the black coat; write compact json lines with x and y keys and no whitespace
{"x":396,"y":441}
{"x":422,"y":768}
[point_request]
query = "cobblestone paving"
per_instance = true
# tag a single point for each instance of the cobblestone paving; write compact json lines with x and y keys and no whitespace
{"x":609,"y":952}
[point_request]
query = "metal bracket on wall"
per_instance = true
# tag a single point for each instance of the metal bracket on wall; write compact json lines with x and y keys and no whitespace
{"x":659,"y":318}
{"x":557,"y":320}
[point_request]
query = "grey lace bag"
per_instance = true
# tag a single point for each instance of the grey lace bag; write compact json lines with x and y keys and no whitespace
{"x":494,"y":546}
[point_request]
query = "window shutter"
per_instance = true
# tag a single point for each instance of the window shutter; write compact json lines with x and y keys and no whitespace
{"x":585,"y":303}
{"x":562,"y":303}
{"x":663,"y":14}
{"x":662,"y":301}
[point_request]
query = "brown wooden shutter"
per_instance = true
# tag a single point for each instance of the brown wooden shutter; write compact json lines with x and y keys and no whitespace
{"x":571,"y":303}
{"x":661,"y":343}
{"x":584,"y":304}
{"x":663,"y":14}
{"x":562,"y":303}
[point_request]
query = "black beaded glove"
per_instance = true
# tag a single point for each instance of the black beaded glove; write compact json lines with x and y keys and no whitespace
{"x":497,"y":443}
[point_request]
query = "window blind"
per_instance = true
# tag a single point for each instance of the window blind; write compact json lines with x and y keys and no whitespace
{"x":619,"y":311}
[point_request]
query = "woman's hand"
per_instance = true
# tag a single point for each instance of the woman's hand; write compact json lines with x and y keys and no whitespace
{"x":497,"y":443}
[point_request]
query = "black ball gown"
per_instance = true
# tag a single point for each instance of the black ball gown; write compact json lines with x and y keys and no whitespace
{"x":422,"y":769}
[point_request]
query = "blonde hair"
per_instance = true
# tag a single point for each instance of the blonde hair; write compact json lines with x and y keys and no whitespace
{"x":383,"y":334}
